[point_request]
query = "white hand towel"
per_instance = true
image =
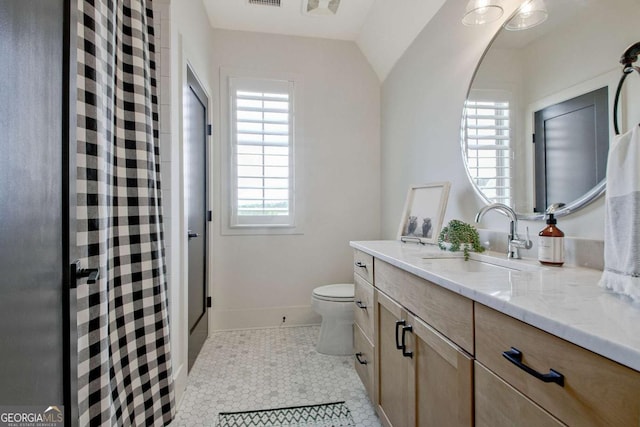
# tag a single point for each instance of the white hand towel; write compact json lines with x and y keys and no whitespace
{"x":622,"y":216}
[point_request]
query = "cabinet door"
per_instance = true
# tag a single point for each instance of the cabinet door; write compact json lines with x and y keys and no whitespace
{"x":394,"y":388}
{"x":445,"y":311}
{"x":363,"y":307}
{"x":500,"y":405}
{"x":363,"y":359}
{"x":443,"y":377}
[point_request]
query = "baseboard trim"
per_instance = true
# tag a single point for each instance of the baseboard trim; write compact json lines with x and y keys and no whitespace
{"x":179,"y":384}
{"x":261,"y":318}
{"x":257,"y":328}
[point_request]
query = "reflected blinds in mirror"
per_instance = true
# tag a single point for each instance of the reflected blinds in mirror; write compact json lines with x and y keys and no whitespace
{"x":488,"y":148}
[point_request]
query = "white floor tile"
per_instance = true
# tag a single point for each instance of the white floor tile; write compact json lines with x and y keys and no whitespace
{"x":269,"y":368}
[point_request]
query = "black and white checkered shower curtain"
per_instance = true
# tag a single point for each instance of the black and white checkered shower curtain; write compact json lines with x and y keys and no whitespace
{"x":124,"y":363}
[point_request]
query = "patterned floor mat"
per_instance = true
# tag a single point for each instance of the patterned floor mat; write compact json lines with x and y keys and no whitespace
{"x":335,"y":414}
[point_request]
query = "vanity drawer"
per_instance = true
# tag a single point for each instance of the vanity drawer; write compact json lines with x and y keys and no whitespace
{"x":596,"y":391}
{"x":363,"y":350}
{"x":363,"y":265}
{"x":497,"y":404}
{"x":447,"y":312}
{"x":363,"y":308}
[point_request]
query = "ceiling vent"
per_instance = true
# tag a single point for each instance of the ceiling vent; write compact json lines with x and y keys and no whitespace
{"x":321,"y":7}
{"x":265,"y":2}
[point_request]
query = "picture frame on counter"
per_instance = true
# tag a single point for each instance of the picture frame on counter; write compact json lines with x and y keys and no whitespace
{"x":423,"y":212}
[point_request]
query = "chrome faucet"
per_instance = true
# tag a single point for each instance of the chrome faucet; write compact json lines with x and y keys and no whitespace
{"x":515,"y":242}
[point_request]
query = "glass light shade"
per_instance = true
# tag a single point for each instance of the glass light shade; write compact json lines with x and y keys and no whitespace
{"x":480,"y":12}
{"x":530,"y":14}
{"x":321,"y":7}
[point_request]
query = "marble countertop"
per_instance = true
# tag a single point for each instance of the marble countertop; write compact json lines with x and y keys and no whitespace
{"x":564,"y":301}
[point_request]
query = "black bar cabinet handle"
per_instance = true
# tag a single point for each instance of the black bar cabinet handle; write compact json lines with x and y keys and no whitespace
{"x":406,"y":353}
{"x":398,"y":324}
{"x":358,"y":358}
{"x":515,"y":356}
{"x":361,"y":264}
{"x":361,"y":305}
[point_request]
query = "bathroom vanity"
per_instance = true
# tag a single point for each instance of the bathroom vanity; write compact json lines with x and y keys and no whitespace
{"x":491,"y":341}
{"x":363,"y":327}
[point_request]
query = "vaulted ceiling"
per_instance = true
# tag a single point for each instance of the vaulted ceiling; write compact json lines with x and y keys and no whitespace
{"x":383,"y":29}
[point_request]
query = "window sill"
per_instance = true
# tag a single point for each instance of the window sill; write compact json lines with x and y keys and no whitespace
{"x":261,"y":230}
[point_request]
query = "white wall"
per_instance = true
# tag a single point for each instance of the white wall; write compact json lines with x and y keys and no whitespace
{"x":390,"y":27}
{"x":257,"y":279}
{"x":422,"y":101}
{"x":583,"y":52}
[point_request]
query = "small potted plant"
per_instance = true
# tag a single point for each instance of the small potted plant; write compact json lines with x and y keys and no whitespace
{"x":458,"y":235}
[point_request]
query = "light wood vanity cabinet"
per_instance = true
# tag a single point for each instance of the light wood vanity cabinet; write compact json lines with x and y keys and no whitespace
{"x":363,"y":320}
{"x":595,"y":392}
{"x":363,"y":265}
{"x":424,"y":379}
{"x":394,"y":387}
{"x":363,"y":300}
{"x":420,"y":340}
{"x":447,"y":312}
{"x":500,"y":405}
{"x":364,"y":363}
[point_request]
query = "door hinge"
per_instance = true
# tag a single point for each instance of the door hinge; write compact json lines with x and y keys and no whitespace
{"x":210,"y":216}
{"x":533,"y":138}
{"x":209,"y":130}
{"x":209,"y":302}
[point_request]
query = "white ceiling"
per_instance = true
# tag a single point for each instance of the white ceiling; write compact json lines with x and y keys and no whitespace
{"x":383,"y":29}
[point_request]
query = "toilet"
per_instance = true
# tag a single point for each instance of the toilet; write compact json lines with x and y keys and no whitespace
{"x":335,"y":304}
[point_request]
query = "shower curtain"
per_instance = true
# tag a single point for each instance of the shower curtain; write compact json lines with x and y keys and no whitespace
{"x":124,"y":362}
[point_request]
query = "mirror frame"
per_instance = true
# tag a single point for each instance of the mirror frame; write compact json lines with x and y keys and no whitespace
{"x":589,"y":197}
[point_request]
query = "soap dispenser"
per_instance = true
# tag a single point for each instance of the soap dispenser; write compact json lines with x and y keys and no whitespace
{"x":551,"y":240}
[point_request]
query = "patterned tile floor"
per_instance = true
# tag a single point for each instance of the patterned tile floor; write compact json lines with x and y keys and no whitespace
{"x":269,"y":368}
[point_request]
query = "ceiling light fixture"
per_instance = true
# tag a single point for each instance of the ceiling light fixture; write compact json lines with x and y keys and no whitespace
{"x":321,"y":7}
{"x":531,"y":13}
{"x":480,"y":12}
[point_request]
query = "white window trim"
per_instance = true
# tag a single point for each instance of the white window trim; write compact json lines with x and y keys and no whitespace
{"x":228,"y":226}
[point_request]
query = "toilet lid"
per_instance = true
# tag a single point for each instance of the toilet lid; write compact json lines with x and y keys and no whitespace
{"x":338,"y":292}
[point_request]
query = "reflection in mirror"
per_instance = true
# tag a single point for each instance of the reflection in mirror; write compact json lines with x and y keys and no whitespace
{"x":572,"y":132}
{"x":525,"y":74}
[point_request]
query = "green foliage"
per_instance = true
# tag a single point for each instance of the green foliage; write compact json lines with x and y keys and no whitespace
{"x":460,"y":235}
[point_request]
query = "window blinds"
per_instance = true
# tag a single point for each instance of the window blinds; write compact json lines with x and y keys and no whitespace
{"x":488,"y":150}
{"x":262,"y":151}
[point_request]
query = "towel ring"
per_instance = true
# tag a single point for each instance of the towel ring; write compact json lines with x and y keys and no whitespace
{"x":628,"y":58}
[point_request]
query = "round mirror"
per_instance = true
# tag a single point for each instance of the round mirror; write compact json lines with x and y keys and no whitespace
{"x":538,"y":116}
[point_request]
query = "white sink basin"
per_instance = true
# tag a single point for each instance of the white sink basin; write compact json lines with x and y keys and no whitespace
{"x":481,"y":263}
{"x":460,"y":265}
{"x":511,"y":264}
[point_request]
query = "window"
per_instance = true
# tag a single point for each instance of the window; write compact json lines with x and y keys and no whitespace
{"x":488,"y":148}
{"x":262,"y":118}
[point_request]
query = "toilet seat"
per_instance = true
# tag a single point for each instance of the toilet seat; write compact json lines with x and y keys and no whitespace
{"x":342,"y":292}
